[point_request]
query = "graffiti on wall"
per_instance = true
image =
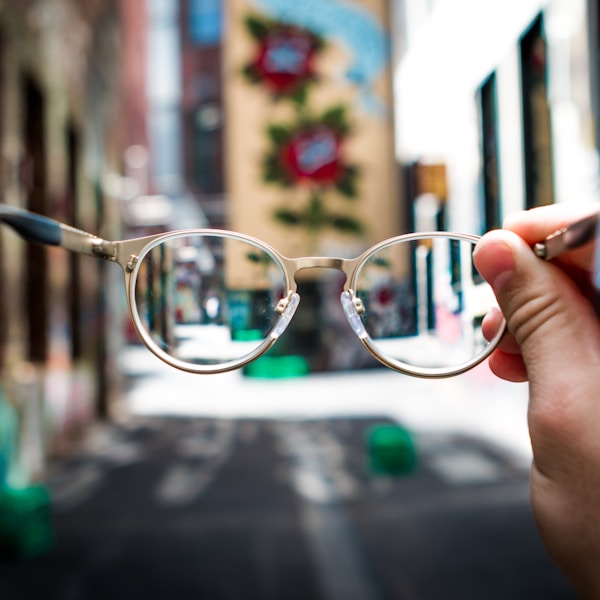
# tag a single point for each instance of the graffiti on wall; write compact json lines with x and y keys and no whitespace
{"x":307,"y":151}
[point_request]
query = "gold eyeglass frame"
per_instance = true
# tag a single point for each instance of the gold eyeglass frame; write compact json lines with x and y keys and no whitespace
{"x":128,"y":254}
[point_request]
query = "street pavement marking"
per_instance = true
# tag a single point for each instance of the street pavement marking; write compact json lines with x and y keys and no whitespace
{"x":75,"y":485}
{"x":339,"y":563}
{"x":461,"y":466}
{"x":320,"y":477}
{"x":185,"y":480}
{"x":182,"y":484}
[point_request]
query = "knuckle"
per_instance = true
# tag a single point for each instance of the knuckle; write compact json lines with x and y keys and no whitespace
{"x":534,"y":317}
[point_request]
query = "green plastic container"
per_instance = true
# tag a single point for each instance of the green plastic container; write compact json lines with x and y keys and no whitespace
{"x":277,"y":367}
{"x":25,"y":521}
{"x":391,"y":450}
{"x":247,"y":335}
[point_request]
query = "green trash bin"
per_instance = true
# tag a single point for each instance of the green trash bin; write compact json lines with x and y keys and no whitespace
{"x":25,"y":521}
{"x":277,"y":367}
{"x":391,"y":450}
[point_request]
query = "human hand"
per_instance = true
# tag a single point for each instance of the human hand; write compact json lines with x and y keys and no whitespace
{"x":553,"y":341}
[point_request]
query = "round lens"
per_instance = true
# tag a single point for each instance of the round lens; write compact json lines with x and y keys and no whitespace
{"x":424,"y":303}
{"x":206,"y":301}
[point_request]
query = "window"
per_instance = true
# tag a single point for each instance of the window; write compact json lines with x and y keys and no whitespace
{"x":207,"y":149}
{"x":36,"y":300}
{"x":490,"y":166}
{"x":205,"y":22}
{"x":537,"y":138}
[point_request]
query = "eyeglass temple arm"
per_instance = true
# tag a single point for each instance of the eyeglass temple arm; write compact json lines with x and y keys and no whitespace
{"x":43,"y":230}
{"x":569,"y":237}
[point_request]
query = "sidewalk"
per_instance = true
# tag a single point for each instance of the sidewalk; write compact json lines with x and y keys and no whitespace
{"x":476,"y":403}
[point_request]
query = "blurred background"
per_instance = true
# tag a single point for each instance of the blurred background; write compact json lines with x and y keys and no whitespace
{"x":321,"y":127}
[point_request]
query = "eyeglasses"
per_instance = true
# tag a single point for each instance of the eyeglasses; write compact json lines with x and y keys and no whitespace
{"x":210,"y":301}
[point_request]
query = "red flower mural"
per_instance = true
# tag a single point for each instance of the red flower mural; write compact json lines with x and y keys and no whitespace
{"x":314,"y":155}
{"x":310,"y":152}
{"x":284,"y":58}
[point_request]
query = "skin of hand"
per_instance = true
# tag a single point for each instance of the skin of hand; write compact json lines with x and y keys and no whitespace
{"x":553,"y":341}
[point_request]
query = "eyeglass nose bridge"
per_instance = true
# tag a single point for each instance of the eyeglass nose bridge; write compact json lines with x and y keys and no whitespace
{"x":347,"y":266}
{"x":351,"y":304}
{"x":319,"y":262}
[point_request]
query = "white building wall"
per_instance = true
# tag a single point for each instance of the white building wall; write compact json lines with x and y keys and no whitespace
{"x":448,"y":52}
{"x":509,"y":126}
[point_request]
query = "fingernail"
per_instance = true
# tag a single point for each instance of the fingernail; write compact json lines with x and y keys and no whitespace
{"x":495,"y":261}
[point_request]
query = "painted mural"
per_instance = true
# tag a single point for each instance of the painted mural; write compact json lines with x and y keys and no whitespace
{"x":309,"y":122}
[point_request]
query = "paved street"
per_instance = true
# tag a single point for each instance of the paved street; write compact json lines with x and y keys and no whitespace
{"x":226,"y":487}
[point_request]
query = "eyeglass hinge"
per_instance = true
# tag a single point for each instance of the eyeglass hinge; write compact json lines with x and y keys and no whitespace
{"x":104,"y":249}
{"x":540,"y":250}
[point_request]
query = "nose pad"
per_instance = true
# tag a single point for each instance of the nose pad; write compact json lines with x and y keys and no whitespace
{"x":350,"y":306}
{"x":286,"y":316}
